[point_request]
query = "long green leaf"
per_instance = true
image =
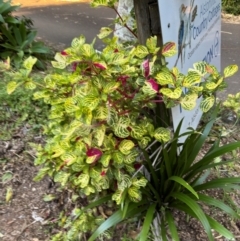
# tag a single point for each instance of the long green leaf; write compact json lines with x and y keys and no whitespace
{"x":197,"y":210}
{"x":220,"y":228}
{"x":184,"y":184}
{"x":172,"y":226}
{"x":219,"y":204}
{"x":117,"y":218}
{"x":147,"y":222}
{"x":163,"y":231}
{"x":223,"y":183}
{"x":215,"y":153}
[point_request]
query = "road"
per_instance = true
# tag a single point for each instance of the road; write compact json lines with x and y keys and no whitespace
{"x":60,"y":23}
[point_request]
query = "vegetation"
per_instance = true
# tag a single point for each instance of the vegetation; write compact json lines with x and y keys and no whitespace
{"x":231,"y":6}
{"x":17,"y":37}
{"x":108,"y":141}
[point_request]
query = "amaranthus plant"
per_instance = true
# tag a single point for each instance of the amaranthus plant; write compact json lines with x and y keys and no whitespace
{"x":104,"y":114}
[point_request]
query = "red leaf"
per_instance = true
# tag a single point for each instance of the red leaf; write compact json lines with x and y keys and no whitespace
{"x":146,"y":68}
{"x":100,"y":66}
{"x":154,"y":84}
{"x":94,"y":152}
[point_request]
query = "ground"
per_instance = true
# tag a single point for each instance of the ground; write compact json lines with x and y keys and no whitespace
{"x":25,"y":216}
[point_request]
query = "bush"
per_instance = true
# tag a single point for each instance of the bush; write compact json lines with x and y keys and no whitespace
{"x":17,"y":39}
{"x":231,"y":6}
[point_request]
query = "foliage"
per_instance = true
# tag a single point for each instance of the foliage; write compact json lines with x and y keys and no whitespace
{"x":232,"y":102}
{"x":19,"y":108}
{"x":17,"y":37}
{"x":177,"y":182}
{"x":231,"y":6}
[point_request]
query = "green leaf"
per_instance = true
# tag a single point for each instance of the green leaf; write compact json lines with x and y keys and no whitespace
{"x":6,"y":177}
{"x":49,"y":197}
{"x":29,"y":62}
{"x":162,"y":134}
{"x":97,"y":3}
{"x":200,"y":68}
{"x":152,"y":44}
{"x":164,"y":77}
{"x":192,"y":78}
{"x":188,"y":102}
{"x":230,"y":70}
{"x":30,"y":85}
{"x":218,"y":204}
{"x":11,"y":86}
{"x":147,"y":223}
{"x":197,"y":211}
{"x":121,"y":128}
{"x":172,"y":93}
{"x":126,"y":146}
{"x":141,"y":51}
{"x":104,"y":32}
{"x":169,"y":49}
{"x":87,"y":50}
{"x":77,"y":42}
{"x":207,"y":104}
{"x":184,"y":184}
{"x":172,"y":226}
{"x":222,"y":183}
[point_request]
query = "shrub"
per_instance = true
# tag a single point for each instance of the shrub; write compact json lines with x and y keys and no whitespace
{"x":17,"y":39}
{"x":231,"y":6}
{"x":105,"y":128}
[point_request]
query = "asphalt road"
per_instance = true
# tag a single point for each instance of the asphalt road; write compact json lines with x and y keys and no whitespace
{"x":59,"y":24}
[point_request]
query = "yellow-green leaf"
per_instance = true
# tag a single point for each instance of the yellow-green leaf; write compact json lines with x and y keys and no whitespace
{"x":104,"y":32}
{"x":169,"y":49}
{"x":165,"y":77}
{"x":188,"y":102}
{"x":141,"y":51}
{"x":162,"y":134}
{"x":11,"y":86}
{"x":126,"y":146}
{"x":9,"y":194}
{"x":172,"y":93}
{"x":192,"y":78}
{"x":29,"y":62}
{"x":230,"y":70}
{"x":207,"y":104}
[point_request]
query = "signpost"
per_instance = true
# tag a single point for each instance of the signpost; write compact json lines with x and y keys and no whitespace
{"x":195,"y":26}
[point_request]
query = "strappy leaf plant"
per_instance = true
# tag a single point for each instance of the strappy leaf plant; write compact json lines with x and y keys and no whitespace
{"x":104,"y":137}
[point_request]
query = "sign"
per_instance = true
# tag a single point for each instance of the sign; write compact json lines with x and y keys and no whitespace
{"x":195,"y":26}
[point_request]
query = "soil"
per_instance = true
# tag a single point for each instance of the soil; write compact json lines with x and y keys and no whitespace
{"x":25,"y":216}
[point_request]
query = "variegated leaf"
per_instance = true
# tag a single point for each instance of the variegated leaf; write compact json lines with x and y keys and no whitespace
{"x":29,"y":62}
{"x":58,"y":65}
{"x":91,"y":101}
{"x":211,"y":85}
{"x":121,"y":128}
{"x":165,"y":77}
{"x":172,"y":93}
{"x":207,"y":104}
{"x":88,"y":190}
{"x":118,"y":158}
{"x":143,"y":142}
{"x":101,"y":113}
{"x":99,"y":134}
{"x":83,"y":180}
{"x":152,"y":44}
{"x":126,"y":146}
{"x":141,"y":51}
{"x":125,"y":182}
{"x":110,"y":87}
{"x":61,"y":177}
{"x":77,"y":42}
{"x":131,"y":157}
{"x":188,"y":102}
{"x":118,"y":59}
{"x":70,"y":105}
{"x":162,"y":134}
{"x":117,"y":196}
{"x":200,"y":67}
{"x":11,"y":86}
{"x":104,"y":32}
{"x":105,"y":159}
{"x":137,"y":132}
{"x":169,"y":49}
{"x":112,"y":117}
{"x":139,"y":182}
{"x":68,"y":158}
{"x":134,"y":194}
{"x":192,"y":78}
{"x":87,"y":50}
{"x":95,"y":172}
{"x":97,"y":3}
{"x":104,"y":182}
{"x":230,"y":70}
